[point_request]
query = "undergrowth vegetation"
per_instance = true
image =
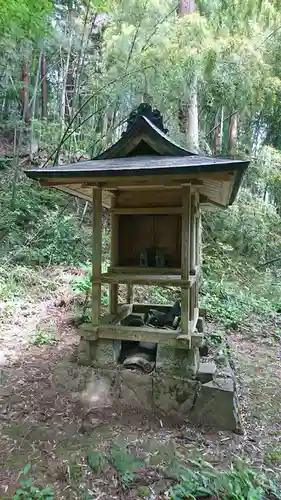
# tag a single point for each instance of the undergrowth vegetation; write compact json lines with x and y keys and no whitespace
{"x":43,"y":227}
{"x":239,"y":482}
{"x":40,"y":227}
{"x":198,"y":480}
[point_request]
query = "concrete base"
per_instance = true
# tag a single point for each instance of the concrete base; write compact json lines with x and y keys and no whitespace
{"x":206,"y":372}
{"x":216,"y":405}
{"x":180,"y":385}
{"x":99,"y":353}
{"x":212,"y":404}
{"x":178,"y":362}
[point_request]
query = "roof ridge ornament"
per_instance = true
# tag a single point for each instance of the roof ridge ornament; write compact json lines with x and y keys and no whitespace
{"x":153,"y":115}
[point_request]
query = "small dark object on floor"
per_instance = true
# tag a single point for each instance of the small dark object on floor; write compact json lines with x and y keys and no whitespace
{"x":133,"y":320}
{"x":203,"y":351}
{"x":161,"y":319}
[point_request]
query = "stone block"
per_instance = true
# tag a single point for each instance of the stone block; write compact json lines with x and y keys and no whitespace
{"x":206,"y":372}
{"x":84,"y":352}
{"x":97,"y":353}
{"x":136,"y":389}
{"x":216,"y":405}
{"x":178,"y":362}
{"x":173,"y":394}
{"x":102,"y":353}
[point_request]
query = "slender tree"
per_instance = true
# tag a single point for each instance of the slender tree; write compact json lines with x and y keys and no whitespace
{"x":188,"y":111}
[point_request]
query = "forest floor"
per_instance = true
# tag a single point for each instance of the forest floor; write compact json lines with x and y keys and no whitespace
{"x":44,"y":417}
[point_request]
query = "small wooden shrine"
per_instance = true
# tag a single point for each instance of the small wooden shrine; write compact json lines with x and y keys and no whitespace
{"x":153,"y":189}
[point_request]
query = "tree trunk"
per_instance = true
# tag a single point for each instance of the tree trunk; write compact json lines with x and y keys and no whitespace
{"x":24,"y":94}
{"x":217,"y":134}
{"x":188,"y":112}
{"x":44,"y":86}
{"x":69,"y":91}
{"x":218,"y":131}
{"x":64,"y":86}
{"x":33,"y":101}
{"x":221,"y":129}
{"x":233,"y":125}
{"x":186,"y":7}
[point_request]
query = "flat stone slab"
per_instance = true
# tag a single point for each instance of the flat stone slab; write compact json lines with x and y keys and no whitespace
{"x":216,"y":405}
{"x":206,"y":372}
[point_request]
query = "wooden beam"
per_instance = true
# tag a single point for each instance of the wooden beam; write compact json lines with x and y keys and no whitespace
{"x":134,"y":180}
{"x":144,"y":270}
{"x":146,"y":279}
{"x":152,"y":182}
{"x":147,"y":210}
{"x":106,"y":195}
{"x":96,"y":254}
{"x":146,"y":334}
{"x":205,"y":199}
{"x":123,"y":311}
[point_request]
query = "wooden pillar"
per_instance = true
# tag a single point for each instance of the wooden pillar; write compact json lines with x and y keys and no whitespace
{"x":185,"y":256}
{"x":192,"y":253}
{"x":130,"y":294}
{"x":96,"y":255}
{"x":198,"y":251}
{"x":113,"y":287}
{"x":193,"y":233}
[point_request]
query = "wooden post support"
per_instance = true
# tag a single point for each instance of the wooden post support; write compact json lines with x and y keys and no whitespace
{"x":193,"y":233}
{"x":185,"y":256}
{"x":130,"y":294}
{"x":113,"y":287}
{"x":96,"y":255}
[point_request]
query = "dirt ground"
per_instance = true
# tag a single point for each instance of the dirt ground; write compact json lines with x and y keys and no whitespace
{"x":45,"y":400}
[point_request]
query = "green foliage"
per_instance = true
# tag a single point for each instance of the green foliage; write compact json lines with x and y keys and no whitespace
{"x":273,"y":456}
{"x":250,"y":228}
{"x":24,"y":18}
{"x":237,"y":483}
{"x":42,"y":337}
{"x":75,"y":471}
{"x":39,"y":228}
{"x":125,"y":463}
{"x":29,"y":491}
{"x":96,"y":461}
{"x":83,"y":283}
{"x":233,"y":291}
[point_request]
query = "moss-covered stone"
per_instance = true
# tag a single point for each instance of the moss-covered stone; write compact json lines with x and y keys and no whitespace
{"x":174,"y":394}
{"x":98,"y":353}
{"x":181,"y":362}
{"x":84,"y":352}
{"x":136,"y":389}
{"x":216,"y":405}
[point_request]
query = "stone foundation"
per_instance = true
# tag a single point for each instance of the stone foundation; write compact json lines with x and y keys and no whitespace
{"x":212,"y":404}
{"x":180,"y":385}
{"x":207,"y":399}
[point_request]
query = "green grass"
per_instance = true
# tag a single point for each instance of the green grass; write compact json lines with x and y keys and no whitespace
{"x":42,"y":337}
{"x":273,"y":457}
{"x":125,"y":463}
{"x":239,"y":482}
{"x":96,"y":461}
{"x":29,"y":490}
